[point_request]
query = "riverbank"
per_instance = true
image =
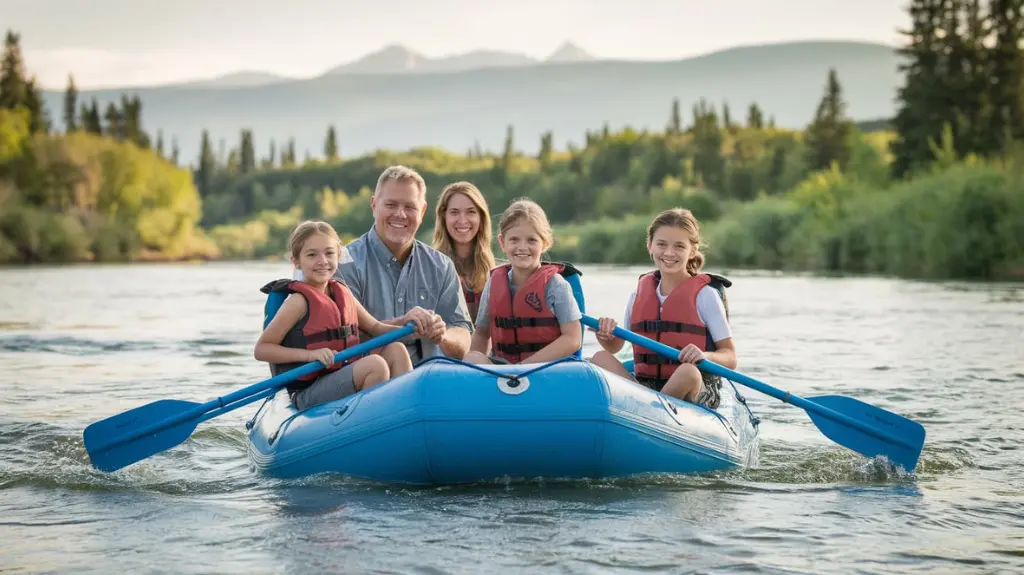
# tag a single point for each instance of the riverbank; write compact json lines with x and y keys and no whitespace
{"x":965,"y":221}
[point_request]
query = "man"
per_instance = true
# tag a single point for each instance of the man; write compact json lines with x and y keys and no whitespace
{"x":390,"y":272}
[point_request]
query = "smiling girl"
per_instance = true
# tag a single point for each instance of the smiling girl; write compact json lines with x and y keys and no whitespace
{"x":320,"y":318}
{"x":527,"y":307}
{"x":679,"y":306}
{"x":462,"y":231}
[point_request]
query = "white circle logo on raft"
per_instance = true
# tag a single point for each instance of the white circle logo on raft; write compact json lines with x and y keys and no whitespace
{"x":511,"y":386}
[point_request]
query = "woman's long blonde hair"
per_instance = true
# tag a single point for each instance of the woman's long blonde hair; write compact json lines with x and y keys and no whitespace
{"x":477,"y":268}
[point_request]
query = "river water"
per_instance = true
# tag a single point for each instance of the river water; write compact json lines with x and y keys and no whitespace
{"x":78,"y":344}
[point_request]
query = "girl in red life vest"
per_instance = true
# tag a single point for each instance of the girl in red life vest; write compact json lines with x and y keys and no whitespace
{"x":527,"y":311}
{"x":679,"y":306}
{"x":319,"y":318}
{"x":462,"y":231}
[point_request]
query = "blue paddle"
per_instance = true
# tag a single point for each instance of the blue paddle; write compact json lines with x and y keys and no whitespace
{"x":136,"y":434}
{"x":862,"y":427}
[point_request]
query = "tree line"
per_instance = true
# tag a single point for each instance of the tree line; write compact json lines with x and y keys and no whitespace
{"x":708,"y":153}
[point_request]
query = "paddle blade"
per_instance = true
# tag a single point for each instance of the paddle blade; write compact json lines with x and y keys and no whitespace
{"x":108,"y":454}
{"x":907,"y":435}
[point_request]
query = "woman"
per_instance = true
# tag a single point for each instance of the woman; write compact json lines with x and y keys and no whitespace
{"x":462,"y":231}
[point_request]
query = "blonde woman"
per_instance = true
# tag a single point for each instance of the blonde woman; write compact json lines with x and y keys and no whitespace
{"x":462,"y":231}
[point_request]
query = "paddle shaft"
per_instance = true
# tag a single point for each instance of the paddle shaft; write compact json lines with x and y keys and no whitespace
{"x":721,"y":371}
{"x":231,"y":401}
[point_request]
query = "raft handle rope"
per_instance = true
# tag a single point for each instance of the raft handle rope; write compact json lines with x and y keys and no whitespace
{"x":249,"y":424}
{"x":754,"y":420}
{"x":513,"y":378}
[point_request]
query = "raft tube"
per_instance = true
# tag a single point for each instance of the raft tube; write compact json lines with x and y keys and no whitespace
{"x":449,"y":422}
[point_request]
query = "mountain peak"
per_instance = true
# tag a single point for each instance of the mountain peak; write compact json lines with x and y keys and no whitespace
{"x":569,"y":52}
{"x":391,"y":59}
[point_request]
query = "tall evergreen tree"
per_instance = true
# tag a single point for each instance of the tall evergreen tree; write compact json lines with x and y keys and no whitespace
{"x":91,"y":118}
{"x":288,"y":154}
{"x":71,"y":106}
{"x":675,"y":122}
{"x":920,"y":115}
{"x":755,"y":118}
{"x":131,"y":121}
{"x":828,"y":136}
{"x":13,"y":83}
{"x":115,"y":123}
{"x":16,"y":88}
{"x":331,"y":144}
{"x":1007,"y":69}
{"x":503,"y":168}
{"x":546,"y":150}
{"x":207,"y":166}
{"x":968,"y":29}
{"x":40,"y":119}
{"x":708,"y":162}
{"x":159,"y":148}
{"x":174,"y":150}
{"x":247,"y":153}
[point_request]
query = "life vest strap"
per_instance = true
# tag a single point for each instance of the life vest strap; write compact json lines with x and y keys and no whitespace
{"x":518,"y":322}
{"x":663,"y":326}
{"x":519,"y":348}
{"x":654,"y":359}
{"x":343,"y":332}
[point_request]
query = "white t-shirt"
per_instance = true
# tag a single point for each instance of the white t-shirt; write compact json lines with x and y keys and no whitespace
{"x":710,"y":309}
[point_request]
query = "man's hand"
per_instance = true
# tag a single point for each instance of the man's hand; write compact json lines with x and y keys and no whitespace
{"x":423,"y":319}
{"x":436,"y":329}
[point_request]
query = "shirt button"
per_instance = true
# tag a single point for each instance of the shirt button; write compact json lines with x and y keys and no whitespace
{"x":400,"y":300}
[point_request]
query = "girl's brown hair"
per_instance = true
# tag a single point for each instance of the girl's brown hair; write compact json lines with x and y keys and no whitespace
{"x":683,"y":219}
{"x":529,"y":210}
{"x":306,"y":230}
{"x":476,"y":269}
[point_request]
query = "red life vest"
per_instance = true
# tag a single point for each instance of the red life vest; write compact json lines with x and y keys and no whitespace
{"x":472,"y":299}
{"x":330,"y":322}
{"x":524,"y":325}
{"x":676,"y":323}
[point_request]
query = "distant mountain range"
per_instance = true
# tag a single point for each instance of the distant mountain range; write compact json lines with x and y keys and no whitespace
{"x":396,"y":98}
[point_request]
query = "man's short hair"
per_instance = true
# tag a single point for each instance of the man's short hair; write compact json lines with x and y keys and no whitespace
{"x":401,"y":174}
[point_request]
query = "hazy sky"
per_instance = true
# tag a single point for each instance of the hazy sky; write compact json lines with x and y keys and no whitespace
{"x":119,"y":42}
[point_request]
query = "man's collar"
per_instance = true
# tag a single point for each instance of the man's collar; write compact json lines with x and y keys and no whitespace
{"x":381,"y":250}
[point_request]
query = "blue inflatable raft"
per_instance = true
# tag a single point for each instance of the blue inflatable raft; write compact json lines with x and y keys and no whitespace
{"x":448,"y":422}
{"x":451,"y":422}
